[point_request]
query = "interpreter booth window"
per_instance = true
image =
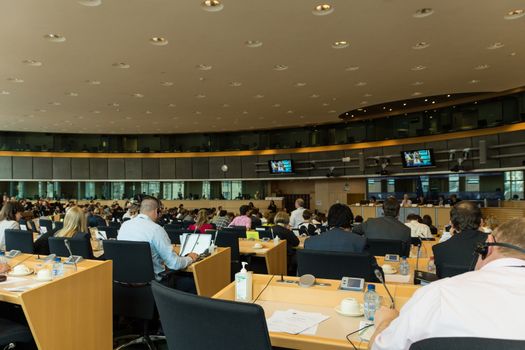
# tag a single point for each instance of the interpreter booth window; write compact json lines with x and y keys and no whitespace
{"x":472,"y":183}
{"x":453,"y":183}
{"x":173,"y":190}
{"x":151,"y":188}
{"x":514,"y":184}
{"x":206,"y":190}
{"x":117,"y":190}
{"x":90,"y":190}
{"x":231,"y":189}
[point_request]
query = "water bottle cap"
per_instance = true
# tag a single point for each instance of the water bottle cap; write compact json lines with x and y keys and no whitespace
{"x":57,"y":259}
{"x":2,"y":253}
{"x":371,"y":287}
{"x":403,"y":258}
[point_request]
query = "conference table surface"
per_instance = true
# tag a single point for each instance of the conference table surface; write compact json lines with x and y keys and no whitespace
{"x":274,"y":254}
{"x":66,"y":312}
{"x":331,"y":334}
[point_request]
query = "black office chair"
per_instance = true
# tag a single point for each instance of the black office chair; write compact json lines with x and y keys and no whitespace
{"x":174,"y":234}
{"x":19,"y":240}
{"x":48,"y":224}
{"x":224,"y":325}
{"x":240,"y":231}
{"x":79,"y":246}
{"x":114,"y":224}
{"x":461,"y":343}
{"x":110,"y":232}
{"x":381,"y":247}
{"x":58,"y":225}
{"x":336,"y":265}
{"x":231,"y":241}
{"x":12,"y":333}
{"x":449,"y":270}
{"x":174,"y":226}
{"x":264,"y":232}
{"x":132,"y":276}
{"x":26,"y":225}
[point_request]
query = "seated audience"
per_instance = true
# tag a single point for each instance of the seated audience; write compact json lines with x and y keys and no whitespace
{"x":282,"y":230}
{"x":417,"y":229}
{"x":10,"y":214}
{"x":459,"y":249}
{"x":489,"y":224}
{"x":243,"y":219}
{"x":358,"y":220}
{"x":94,"y":219}
{"x":427,"y":220}
{"x":272,"y":208}
{"x":296,"y":217}
{"x":256,"y":218}
{"x":143,"y":228}
{"x":307,"y":227}
{"x":339,"y":238}
{"x":222,"y":220}
{"x":406,"y":202}
{"x":75,"y":225}
{"x":201,"y":223}
{"x":451,"y":307}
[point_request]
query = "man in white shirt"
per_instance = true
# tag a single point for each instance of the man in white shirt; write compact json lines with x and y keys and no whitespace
{"x":143,"y":228}
{"x":486,"y":303}
{"x":417,"y":229}
{"x":296,"y":217}
{"x":406,"y":202}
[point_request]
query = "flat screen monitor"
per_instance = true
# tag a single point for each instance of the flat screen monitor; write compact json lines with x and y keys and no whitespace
{"x":284,"y":166}
{"x":421,"y":158}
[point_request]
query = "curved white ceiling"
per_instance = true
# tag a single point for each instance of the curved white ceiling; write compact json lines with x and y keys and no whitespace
{"x":207,"y":79}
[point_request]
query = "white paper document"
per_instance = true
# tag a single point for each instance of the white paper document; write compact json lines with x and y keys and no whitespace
{"x":295,"y":322}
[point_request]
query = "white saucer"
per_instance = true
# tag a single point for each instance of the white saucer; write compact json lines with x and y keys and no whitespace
{"x":261,"y":247}
{"x":393,"y":272}
{"x":44,"y":279}
{"x":360,"y":313}
{"x":13,"y":274}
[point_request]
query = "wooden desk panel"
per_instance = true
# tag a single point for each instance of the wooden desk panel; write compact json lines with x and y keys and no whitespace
{"x":67,"y":312}
{"x":331,"y":334}
{"x":275,"y":255}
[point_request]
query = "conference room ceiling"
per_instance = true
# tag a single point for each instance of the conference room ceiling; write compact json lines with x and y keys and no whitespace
{"x":252,"y":65}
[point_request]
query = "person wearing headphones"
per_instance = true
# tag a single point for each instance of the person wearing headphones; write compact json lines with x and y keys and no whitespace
{"x":10,"y":214}
{"x":487,"y":302}
{"x":143,"y":228}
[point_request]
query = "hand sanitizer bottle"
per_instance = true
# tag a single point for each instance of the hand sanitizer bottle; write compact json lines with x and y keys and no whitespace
{"x":243,"y":284}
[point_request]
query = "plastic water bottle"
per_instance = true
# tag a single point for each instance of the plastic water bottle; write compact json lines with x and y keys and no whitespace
{"x":431,"y":267}
{"x":372,"y":302}
{"x":3,"y":259}
{"x":58,"y":268}
{"x":404,"y":268}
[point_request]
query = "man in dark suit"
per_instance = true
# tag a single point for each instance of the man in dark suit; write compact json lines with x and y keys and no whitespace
{"x":456,"y":255}
{"x":340,"y":237}
{"x":386,"y":227}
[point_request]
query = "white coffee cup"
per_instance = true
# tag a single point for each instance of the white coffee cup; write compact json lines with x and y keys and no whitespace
{"x":350,"y":306}
{"x":20,"y":269}
{"x":257,"y":246}
{"x":44,"y":274}
{"x":387,"y":268}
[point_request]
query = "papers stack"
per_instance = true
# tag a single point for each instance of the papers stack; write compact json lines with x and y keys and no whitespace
{"x":295,"y":322}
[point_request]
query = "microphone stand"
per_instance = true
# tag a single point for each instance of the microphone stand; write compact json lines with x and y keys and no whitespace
{"x":71,"y":257}
{"x":379,"y":274}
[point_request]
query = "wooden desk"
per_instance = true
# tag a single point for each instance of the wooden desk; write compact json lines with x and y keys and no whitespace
{"x":274,"y":255}
{"x":422,"y":266}
{"x":71,"y":312}
{"x":331,"y":334}
{"x":212,"y":273}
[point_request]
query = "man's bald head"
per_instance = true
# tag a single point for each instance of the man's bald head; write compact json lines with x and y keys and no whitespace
{"x":148,"y":206}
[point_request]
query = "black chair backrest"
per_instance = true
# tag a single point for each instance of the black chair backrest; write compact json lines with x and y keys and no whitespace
{"x":336,"y":265}
{"x":227,"y":318}
{"x":175,"y":233}
{"x":264,"y":232}
{"x":19,"y":240}
{"x":240,"y":231}
{"x":111,"y":232}
{"x":58,"y":225}
{"x":232,"y":241}
{"x":132,"y":276}
{"x":79,"y":246}
{"x":461,"y":343}
{"x":114,"y":224}
{"x":48,"y":224}
{"x":381,"y":247}
{"x":212,"y":232}
{"x":174,"y":226}
{"x":26,"y":225}
{"x":448,"y":270}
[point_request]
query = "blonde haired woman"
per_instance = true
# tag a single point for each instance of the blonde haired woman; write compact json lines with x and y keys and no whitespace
{"x":75,"y":224}
{"x":201,"y":222}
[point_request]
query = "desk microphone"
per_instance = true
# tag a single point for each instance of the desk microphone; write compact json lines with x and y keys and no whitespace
{"x":419,"y":244}
{"x":379,"y":274}
{"x":71,"y":257}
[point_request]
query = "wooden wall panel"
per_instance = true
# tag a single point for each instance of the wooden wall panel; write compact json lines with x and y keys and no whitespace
{"x":6,"y":167}
{"x":80,"y":168}
{"x":167,"y":168}
{"x":62,"y":168}
{"x":151,"y":169}
{"x":116,"y":169}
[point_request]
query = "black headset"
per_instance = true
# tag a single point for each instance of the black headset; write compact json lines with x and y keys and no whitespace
{"x":483,"y":248}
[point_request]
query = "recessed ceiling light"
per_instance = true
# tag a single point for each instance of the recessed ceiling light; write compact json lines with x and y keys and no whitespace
{"x":424,"y":12}
{"x":361,"y":83}
{"x":114,"y":104}
{"x":417,"y":93}
{"x":482,"y":67}
{"x":148,"y":112}
{"x":495,"y":46}
{"x":330,"y":111}
{"x":121,"y":65}
{"x":300,"y":84}
{"x":364,"y":102}
{"x":426,"y":99}
{"x":314,"y":96}
{"x":390,"y":109}
{"x":276,"y":105}
{"x":258,"y":96}
{"x":90,"y":3}
{"x":138,"y":95}
{"x":4,"y":92}
{"x":16,"y":80}
{"x":433,"y":102}
{"x":55,"y":38}
{"x":72,"y":94}
{"x":55,"y":103}
{"x":448,"y":95}
{"x":326,"y":104}
{"x":280,"y":67}
{"x":323,"y":10}
{"x":244,"y":112}
{"x":367,"y":95}
{"x":204,"y":67}
{"x":158,"y":41}
{"x":512,"y":54}
{"x":171,"y":105}
{"x":421,"y":45}
{"x":253,"y":43}
{"x":235,"y":84}
{"x":352,"y":68}
{"x":289,"y":111}
{"x":32,"y":63}
{"x":225,"y":105}
{"x":41,"y":110}
{"x":340,"y":44}
{"x":418,"y":68}
{"x":515,"y":14}
{"x":404,"y":104}
{"x":96,"y":111}
{"x":200,"y":96}
{"x":212,"y":5}
{"x":474,"y":81}
{"x":417,"y":83}
{"x":93,"y":82}
{"x":166,"y":83}
{"x":198,"y":112}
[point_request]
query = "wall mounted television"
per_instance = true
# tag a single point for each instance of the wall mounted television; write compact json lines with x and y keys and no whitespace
{"x":283,"y":166}
{"x":421,"y":158}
